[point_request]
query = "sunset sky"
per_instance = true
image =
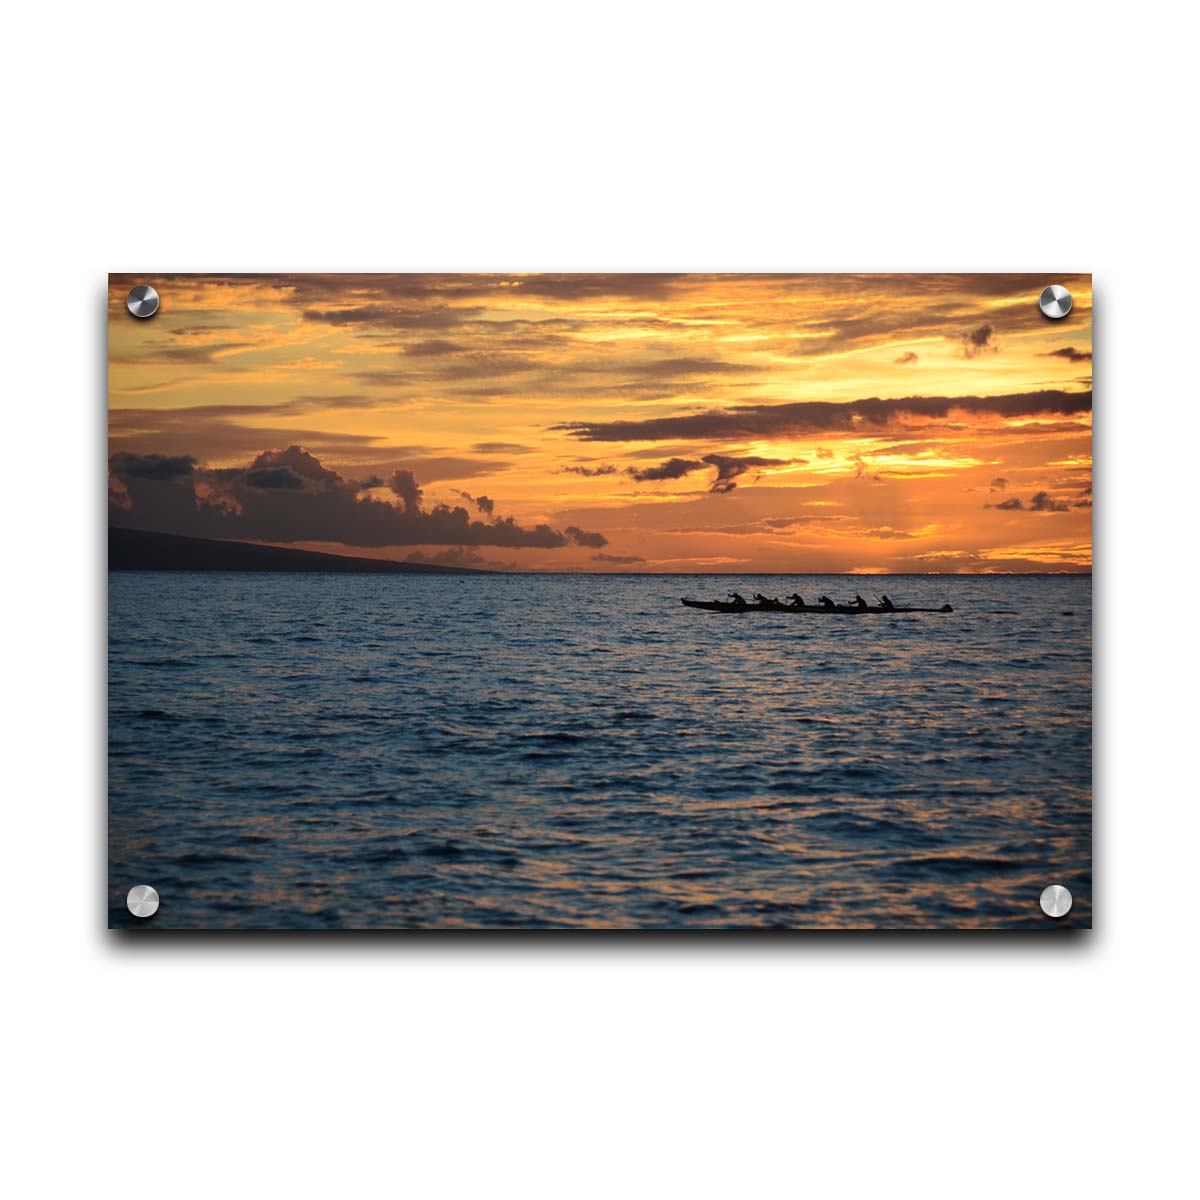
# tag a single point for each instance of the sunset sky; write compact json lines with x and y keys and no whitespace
{"x":733,"y":423}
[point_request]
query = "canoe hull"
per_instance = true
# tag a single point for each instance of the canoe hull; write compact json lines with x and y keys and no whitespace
{"x":845,"y":610}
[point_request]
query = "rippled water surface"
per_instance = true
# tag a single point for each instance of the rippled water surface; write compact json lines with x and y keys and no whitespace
{"x":582,"y":751}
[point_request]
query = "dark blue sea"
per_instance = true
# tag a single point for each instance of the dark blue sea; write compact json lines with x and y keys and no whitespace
{"x":580,"y":751}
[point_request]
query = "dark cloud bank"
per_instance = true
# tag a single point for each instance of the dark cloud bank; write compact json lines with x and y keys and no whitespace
{"x":289,"y":496}
{"x":821,"y":416}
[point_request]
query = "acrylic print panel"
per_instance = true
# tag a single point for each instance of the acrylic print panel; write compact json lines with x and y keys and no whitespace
{"x":395,"y":571}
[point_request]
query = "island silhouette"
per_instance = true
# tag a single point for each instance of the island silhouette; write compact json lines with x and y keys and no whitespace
{"x":145,"y":550}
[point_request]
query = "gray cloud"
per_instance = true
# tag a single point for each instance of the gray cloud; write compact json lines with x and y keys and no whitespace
{"x":581,"y":537}
{"x":907,"y":357}
{"x":174,"y":433}
{"x":434,"y":348}
{"x":1039,"y":502}
{"x":766,"y":525}
{"x":730,"y":469}
{"x":460,"y":367}
{"x":289,"y":496}
{"x":404,"y":483}
{"x":589,"y":472}
{"x":273,"y":477}
{"x":821,"y":416}
{"x":208,"y":354}
{"x":1044,"y":502}
{"x":388,"y":317}
{"x":673,"y":468}
{"x":978,"y":341}
{"x":933,"y":304}
{"x":1070,"y":354}
{"x":309,"y":403}
{"x":185,"y":331}
{"x":485,"y":504}
{"x":299,"y":462}
{"x":401,"y":302}
{"x":500,"y":448}
{"x":680,"y":368}
{"x":152,"y":466}
{"x":885,"y":532}
{"x":623,"y":560}
{"x":435,"y":468}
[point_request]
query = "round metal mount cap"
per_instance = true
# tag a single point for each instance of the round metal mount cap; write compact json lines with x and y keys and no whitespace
{"x":1056,"y":901}
{"x":142,"y":900}
{"x":142,"y":301}
{"x":1055,"y":301}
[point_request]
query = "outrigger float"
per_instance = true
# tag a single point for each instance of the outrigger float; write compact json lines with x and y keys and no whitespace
{"x":777,"y":606}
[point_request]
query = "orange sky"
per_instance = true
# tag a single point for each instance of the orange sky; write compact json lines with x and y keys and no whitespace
{"x":739,"y":423}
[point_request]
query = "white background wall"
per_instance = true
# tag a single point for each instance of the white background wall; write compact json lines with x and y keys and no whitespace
{"x":615,"y":136}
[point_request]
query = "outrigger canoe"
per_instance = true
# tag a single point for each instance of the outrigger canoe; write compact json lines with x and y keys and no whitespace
{"x":727,"y":606}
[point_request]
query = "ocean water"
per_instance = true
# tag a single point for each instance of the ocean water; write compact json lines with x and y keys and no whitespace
{"x":570,"y":751}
